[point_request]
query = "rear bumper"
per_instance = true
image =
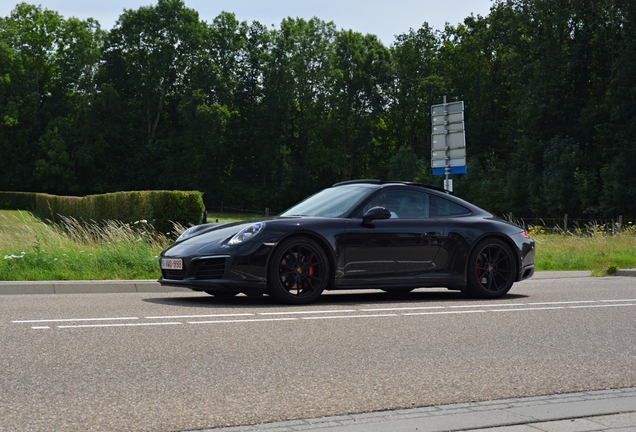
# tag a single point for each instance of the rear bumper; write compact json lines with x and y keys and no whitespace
{"x":526,"y":272}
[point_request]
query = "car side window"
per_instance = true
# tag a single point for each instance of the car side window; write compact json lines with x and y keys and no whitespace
{"x":441,"y":207}
{"x":412,"y":205}
{"x":384,"y":199}
{"x":403,"y":204}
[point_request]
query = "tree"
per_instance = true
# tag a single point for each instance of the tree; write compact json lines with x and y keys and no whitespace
{"x":149,"y":58}
{"x":47,"y":70}
{"x":361,"y":80}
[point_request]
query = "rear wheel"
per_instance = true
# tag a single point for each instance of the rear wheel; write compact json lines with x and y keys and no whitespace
{"x":491,"y":269}
{"x":298,"y":271}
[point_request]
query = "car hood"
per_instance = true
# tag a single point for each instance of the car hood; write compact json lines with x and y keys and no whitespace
{"x":211,"y":237}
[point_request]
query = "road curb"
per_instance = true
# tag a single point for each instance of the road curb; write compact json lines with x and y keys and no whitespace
{"x":85,"y":287}
{"x":626,"y":272}
{"x":541,"y":413}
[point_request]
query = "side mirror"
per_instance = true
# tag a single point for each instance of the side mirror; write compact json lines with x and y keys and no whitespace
{"x":376,"y":213}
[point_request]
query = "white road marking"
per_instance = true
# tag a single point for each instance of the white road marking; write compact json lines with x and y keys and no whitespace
{"x":199,"y":316}
{"x":565,"y":302}
{"x":488,"y":305}
{"x":75,"y":319}
{"x":527,"y":309}
{"x":443,"y":313}
{"x":244,"y":320}
{"x":308,"y":312}
{"x":398,"y":309}
{"x":624,"y":300}
{"x":336,"y":313}
{"x":350,"y":316}
{"x":563,"y":307}
{"x":600,"y":306}
{"x":118,"y":325}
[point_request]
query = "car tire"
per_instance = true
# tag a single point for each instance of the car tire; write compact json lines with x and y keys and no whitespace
{"x":491,"y":269}
{"x":299,"y":271}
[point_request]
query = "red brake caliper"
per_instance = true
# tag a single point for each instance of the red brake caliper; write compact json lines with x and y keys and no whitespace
{"x":479,"y":277}
{"x":310,"y":273}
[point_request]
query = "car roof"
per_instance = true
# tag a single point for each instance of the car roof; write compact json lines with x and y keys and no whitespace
{"x":379,"y":184}
{"x":382,"y":182}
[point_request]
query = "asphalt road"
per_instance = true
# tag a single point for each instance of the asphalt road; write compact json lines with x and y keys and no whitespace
{"x":184,"y":361}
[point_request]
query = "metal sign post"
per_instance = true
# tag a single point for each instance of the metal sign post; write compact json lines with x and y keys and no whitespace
{"x":448,"y":141}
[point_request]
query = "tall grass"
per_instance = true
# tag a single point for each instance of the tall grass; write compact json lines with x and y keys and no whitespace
{"x":33,"y":250}
{"x":594,"y":247}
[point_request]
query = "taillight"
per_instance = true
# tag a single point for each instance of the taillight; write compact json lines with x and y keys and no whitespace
{"x":524,"y":234}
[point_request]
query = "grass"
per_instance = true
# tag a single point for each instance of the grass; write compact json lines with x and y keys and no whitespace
{"x":599,"y":253}
{"x":231,"y":217}
{"x":33,"y":250}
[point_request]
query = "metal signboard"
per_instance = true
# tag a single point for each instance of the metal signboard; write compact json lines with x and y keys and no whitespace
{"x":447,"y":128}
{"x":440,"y":119}
{"x":448,"y":162}
{"x":447,"y":108}
{"x":461,"y":169}
{"x":448,"y":140}
{"x":457,"y":153}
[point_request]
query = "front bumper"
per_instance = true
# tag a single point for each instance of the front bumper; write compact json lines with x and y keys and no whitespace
{"x":252,"y":287}
{"x":218,"y":272}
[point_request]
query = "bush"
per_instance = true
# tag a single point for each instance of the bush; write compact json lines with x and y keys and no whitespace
{"x":17,"y":201}
{"x":159,"y":208}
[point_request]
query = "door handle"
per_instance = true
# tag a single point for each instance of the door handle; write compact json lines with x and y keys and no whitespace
{"x":432,"y":234}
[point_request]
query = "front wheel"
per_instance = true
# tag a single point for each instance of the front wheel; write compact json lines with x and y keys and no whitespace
{"x":298,"y":271}
{"x":491,"y":269}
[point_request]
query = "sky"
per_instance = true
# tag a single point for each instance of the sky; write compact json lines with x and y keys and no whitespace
{"x":383,"y":18}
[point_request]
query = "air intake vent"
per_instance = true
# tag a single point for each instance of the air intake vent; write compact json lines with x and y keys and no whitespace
{"x":173,"y":274}
{"x":212,"y":268}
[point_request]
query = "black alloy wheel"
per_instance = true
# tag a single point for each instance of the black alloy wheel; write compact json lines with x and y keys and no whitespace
{"x":491,"y":269}
{"x":298,"y":271}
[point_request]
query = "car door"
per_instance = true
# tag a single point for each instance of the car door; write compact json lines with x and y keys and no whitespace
{"x":399,"y":250}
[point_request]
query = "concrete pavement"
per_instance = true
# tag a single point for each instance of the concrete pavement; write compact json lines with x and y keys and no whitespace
{"x":604,"y":410}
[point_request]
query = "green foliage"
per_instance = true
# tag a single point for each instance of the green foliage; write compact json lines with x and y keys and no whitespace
{"x":17,"y":201}
{"x":259,"y":117}
{"x":596,"y":251}
{"x":161,"y":209}
{"x":70,"y":250}
{"x":405,"y":166}
{"x":31,"y":250}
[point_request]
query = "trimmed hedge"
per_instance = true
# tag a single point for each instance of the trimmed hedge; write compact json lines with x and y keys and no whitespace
{"x":17,"y":201}
{"x":160,"y":208}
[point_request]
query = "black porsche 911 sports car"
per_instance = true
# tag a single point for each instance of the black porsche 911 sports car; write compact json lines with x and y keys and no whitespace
{"x":361,"y":234}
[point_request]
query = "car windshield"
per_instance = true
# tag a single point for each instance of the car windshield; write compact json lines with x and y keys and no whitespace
{"x":332,"y":202}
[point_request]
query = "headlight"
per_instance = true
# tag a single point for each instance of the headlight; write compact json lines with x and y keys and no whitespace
{"x":246,"y":233}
